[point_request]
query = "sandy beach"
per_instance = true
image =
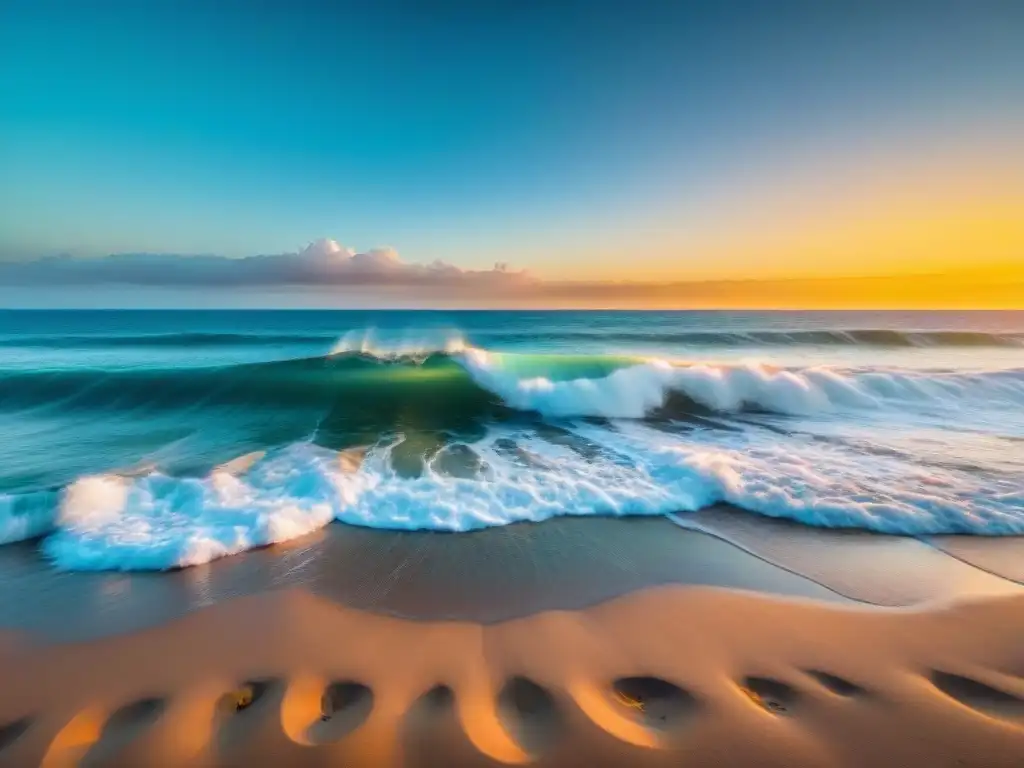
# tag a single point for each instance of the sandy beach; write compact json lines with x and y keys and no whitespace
{"x":694,"y":651}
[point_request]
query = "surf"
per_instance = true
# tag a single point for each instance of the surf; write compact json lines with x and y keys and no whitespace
{"x":441,"y":434}
{"x":484,"y":381}
{"x":514,"y":474}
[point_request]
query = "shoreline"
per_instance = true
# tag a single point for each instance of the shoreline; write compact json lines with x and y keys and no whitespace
{"x":511,"y":571}
{"x":482,"y":576}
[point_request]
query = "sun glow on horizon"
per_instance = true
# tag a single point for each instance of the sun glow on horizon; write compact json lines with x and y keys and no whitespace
{"x":830,"y":215}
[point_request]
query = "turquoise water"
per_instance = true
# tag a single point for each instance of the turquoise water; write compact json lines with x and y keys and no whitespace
{"x":148,"y":440}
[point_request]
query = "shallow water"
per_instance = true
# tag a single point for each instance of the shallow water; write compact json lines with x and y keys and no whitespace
{"x":147,"y":440}
{"x":563,"y":564}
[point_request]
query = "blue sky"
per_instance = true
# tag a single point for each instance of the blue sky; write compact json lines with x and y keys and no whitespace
{"x":568,"y":138}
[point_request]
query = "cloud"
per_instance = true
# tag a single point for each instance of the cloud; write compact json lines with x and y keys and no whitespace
{"x":322,"y":264}
{"x":327,"y":274}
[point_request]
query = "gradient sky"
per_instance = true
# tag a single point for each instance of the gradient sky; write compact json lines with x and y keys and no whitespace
{"x":654,"y":142}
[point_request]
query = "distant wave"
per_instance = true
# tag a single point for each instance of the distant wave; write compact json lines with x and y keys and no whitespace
{"x":853,"y":337}
{"x":163,"y":340}
{"x":363,"y":341}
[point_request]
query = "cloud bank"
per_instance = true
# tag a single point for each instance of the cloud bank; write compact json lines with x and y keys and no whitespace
{"x":322,"y":264}
{"x":328,"y":275}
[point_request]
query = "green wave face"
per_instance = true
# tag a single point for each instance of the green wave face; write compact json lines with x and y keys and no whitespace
{"x":188,"y":419}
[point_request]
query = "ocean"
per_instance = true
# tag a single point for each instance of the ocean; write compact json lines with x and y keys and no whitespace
{"x":147,"y":440}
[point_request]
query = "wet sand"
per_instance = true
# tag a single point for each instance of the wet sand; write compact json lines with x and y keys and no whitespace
{"x":484,"y":576}
{"x":503,"y":573}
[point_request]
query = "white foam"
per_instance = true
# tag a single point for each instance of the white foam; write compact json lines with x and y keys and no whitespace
{"x":626,"y":393}
{"x":828,"y":484}
{"x":157,"y":521}
{"x":633,"y":391}
{"x":160,"y":522}
{"x":408,"y":346}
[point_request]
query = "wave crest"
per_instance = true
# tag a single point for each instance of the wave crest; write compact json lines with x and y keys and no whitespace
{"x":449,"y":379}
{"x":412,"y":347}
{"x":638,"y":390}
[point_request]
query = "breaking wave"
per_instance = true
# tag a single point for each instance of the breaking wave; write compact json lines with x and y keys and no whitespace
{"x":448,"y":436}
{"x":551,"y":385}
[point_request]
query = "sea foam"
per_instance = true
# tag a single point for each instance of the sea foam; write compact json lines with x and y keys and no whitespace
{"x":409,"y":346}
{"x":158,"y":522}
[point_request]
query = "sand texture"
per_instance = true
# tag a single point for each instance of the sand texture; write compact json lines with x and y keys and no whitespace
{"x":666,"y":676}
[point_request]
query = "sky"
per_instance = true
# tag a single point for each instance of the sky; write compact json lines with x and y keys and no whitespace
{"x":511,"y":153}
